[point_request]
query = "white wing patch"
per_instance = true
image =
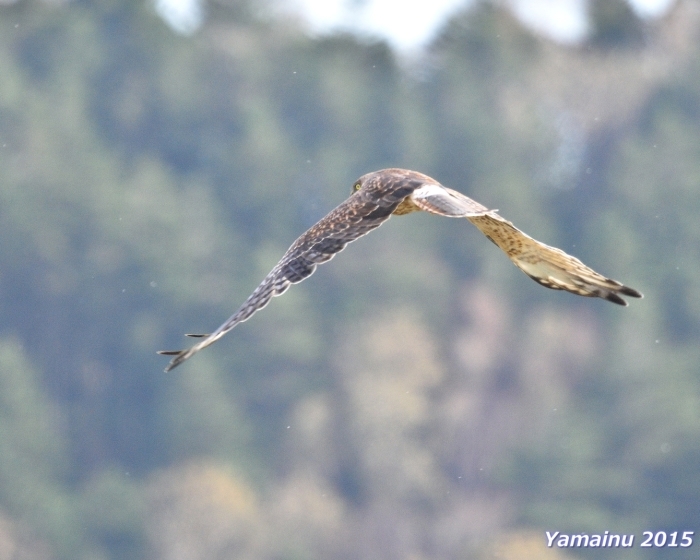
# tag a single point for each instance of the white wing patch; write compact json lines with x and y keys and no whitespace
{"x":436,"y":199}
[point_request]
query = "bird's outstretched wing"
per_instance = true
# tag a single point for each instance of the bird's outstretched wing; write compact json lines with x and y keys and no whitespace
{"x":364,"y":211}
{"x":548,"y":266}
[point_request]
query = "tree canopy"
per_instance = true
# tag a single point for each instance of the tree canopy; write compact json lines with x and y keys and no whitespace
{"x":418,"y":397}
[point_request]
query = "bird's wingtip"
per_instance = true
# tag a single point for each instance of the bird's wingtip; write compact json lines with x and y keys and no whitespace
{"x":180,"y":356}
{"x":631,"y":292}
{"x":613,"y":297}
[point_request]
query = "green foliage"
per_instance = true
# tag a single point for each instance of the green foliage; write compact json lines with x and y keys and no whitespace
{"x":112,"y":514}
{"x":615,"y":24}
{"x":32,"y":450}
{"x":418,"y":397}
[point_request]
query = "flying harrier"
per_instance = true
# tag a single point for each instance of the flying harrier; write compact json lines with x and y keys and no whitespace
{"x":376,"y":196}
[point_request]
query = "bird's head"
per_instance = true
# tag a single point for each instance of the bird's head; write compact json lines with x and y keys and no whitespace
{"x":392,"y":187}
{"x":391,"y":178}
{"x":371,"y":181}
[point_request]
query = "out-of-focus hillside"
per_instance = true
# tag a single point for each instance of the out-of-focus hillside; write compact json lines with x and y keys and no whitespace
{"x":418,"y":397}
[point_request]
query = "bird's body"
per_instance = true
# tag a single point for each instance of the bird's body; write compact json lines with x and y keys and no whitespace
{"x":375,"y":198}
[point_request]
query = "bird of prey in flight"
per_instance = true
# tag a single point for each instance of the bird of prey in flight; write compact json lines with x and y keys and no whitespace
{"x":375,"y":198}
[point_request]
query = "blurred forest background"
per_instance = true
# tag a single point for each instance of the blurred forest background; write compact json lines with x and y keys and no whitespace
{"x":418,"y":397}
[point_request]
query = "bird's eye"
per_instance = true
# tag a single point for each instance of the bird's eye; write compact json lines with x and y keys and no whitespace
{"x":356,"y":187}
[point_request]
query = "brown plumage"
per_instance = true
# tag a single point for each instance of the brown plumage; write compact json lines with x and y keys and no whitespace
{"x":378,"y":195}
